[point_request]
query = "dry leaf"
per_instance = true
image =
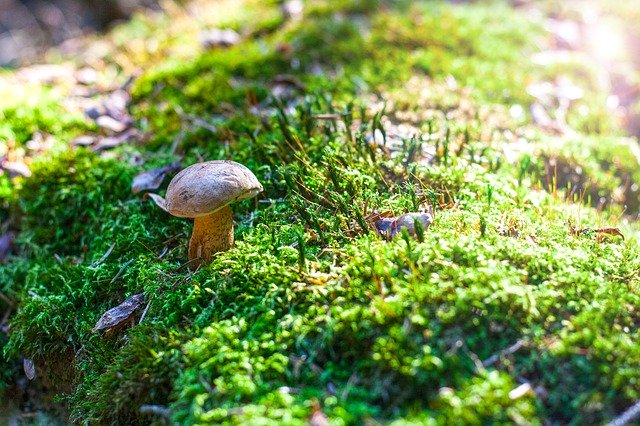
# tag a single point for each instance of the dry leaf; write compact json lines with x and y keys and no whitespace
{"x":152,"y":179}
{"x":609,"y":231}
{"x":293,"y":10}
{"x":16,"y":168}
{"x":29,"y":368}
{"x":46,"y":74}
{"x":86,"y":75}
{"x":85,"y":140}
{"x":600,"y":232}
{"x":112,"y":142}
{"x":219,"y":38}
{"x":118,"y":100}
{"x":120,"y":313}
{"x":109,"y":123}
{"x":390,"y":227}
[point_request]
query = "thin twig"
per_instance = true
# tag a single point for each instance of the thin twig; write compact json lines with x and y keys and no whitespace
{"x":6,"y":300}
{"x":121,"y":271}
{"x":144,"y":313}
{"x":509,"y":351}
{"x":104,"y":256}
{"x":627,"y":417}
{"x":158,"y":410}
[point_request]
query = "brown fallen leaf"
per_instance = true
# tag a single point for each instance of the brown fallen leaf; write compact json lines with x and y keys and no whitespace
{"x":293,"y":10}
{"x":40,"y":142}
{"x":113,"y":141}
{"x":29,"y":368}
{"x":46,"y":74}
{"x":390,"y":227}
{"x":219,"y":38}
{"x":85,"y":140}
{"x":86,"y":76}
{"x":109,"y":123}
{"x":116,"y":316}
{"x":152,"y":179}
{"x":609,"y":231}
{"x":600,"y":232}
{"x":115,"y":106}
{"x":15,"y":168}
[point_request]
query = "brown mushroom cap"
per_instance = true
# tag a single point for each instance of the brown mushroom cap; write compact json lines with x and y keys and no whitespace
{"x":203,"y":188}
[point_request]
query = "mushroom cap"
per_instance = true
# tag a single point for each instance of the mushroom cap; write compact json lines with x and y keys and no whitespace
{"x":204,"y":188}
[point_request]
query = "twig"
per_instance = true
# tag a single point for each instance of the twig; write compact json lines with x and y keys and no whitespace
{"x":144,"y":313}
{"x":327,"y":116}
{"x":158,"y":410}
{"x":197,"y":261}
{"x":6,"y":300}
{"x":121,"y":271}
{"x":104,"y":256}
{"x":627,"y":417}
{"x":509,"y":351}
{"x":164,"y":251}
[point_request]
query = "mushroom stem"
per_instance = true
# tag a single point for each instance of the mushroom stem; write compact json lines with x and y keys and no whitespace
{"x":211,"y":234}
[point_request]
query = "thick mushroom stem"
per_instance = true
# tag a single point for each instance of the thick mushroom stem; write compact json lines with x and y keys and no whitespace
{"x":211,"y":234}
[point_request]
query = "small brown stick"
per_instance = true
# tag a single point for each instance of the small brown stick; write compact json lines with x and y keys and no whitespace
{"x":508,"y":351}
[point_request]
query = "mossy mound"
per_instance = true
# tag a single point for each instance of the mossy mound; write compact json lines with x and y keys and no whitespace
{"x":512,"y":307}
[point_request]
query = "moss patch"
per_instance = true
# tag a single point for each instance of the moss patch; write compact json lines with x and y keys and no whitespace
{"x":312,"y":308}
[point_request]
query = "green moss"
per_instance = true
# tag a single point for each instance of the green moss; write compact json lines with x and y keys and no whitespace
{"x":64,"y":200}
{"x":598,"y":170}
{"x":27,"y":109}
{"x":311,"y":308}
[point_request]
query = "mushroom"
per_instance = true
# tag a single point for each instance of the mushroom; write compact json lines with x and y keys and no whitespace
{"x":204,"y":191}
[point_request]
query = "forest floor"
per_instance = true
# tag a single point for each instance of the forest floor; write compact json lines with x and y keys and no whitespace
{"x":511,"y":125}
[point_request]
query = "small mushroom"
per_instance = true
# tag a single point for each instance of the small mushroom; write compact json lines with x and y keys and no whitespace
{"x":204,"y":191}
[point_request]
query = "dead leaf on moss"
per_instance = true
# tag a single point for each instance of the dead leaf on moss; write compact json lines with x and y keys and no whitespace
{"x":219,"y":38}
{"x":15,"y":168}
{"x":121,"y":313}
{"x":85,"y":140}
{"x":47,"y":74}
{"x":29,"y":368}
{"x":293,"y":10}
{"x":390,"y":227}
{"x":40,"y":142}
{"x":86,"y":76}
{"x":113,"y":141}
{"x":601,"y":233}
{"x":152,"y":179}
{"x":111,"y":124}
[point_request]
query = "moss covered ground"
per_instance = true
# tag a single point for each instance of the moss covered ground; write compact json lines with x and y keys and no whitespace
{"x":360,"y":109}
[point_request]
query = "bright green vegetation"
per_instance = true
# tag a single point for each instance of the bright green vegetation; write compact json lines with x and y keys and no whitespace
{"x":311,"y":306}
